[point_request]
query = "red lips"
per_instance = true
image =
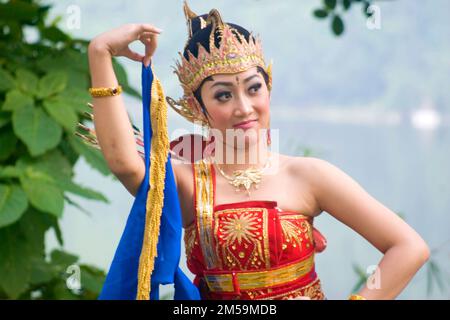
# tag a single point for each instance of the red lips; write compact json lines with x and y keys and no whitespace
{"x":243,"y":122}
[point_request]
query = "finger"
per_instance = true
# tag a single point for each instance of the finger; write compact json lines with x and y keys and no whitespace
{"x":145,"y":36}
{"x":132,"y":55}
{"x":149,"y":28}
{"x":150,"y":47}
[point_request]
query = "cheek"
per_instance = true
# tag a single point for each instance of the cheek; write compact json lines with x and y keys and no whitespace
{"x":220,"y":117}
{"x":263,"y":106}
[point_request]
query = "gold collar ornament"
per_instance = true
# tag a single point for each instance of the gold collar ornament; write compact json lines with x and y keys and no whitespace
{"x":234,"y":55}
{"x":245,"y":178}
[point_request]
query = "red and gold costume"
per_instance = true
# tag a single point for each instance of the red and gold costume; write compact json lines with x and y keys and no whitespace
{"x":241,"y":250}
{"x":248,"y":250}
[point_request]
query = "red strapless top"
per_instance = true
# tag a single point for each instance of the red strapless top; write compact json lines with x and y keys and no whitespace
{"x":250,"y":249}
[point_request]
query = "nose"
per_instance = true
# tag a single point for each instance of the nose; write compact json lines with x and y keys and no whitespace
{"x":243,"y":107}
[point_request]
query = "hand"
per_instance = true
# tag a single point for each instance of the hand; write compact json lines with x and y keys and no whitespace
{"x":117,"y":41}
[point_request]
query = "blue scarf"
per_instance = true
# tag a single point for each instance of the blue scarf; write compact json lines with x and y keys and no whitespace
{"x":122,"y":280}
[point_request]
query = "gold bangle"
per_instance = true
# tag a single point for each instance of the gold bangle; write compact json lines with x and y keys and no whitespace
{"x":356,"y":297}
{"x":105,"y":92}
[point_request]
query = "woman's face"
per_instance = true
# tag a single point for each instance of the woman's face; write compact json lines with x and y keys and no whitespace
{"x":231,"y":99}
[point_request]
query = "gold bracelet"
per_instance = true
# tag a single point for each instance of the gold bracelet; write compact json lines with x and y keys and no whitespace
{"x":105,"y":92}
{"x":356,"y":297}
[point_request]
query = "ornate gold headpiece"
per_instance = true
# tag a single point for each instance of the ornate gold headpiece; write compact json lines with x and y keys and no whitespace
{"x":235,"y":54}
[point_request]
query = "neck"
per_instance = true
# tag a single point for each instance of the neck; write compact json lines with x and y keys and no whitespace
{"x":230,"y":158}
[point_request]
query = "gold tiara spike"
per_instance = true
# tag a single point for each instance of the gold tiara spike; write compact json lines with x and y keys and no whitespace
{"x":235,"y":54}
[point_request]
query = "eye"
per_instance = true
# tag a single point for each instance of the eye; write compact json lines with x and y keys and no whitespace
{"x":222,"y":94}
{"x":256,"y":87}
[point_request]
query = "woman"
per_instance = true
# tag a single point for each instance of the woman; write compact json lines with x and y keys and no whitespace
{"x":249,"y":219}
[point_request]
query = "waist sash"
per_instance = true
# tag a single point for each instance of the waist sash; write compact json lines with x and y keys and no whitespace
{"x":232,"y":282}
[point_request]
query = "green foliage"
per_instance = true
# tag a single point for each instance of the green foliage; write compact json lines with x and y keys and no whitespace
{"x":42,"y":98}
{"x":333,"y":9}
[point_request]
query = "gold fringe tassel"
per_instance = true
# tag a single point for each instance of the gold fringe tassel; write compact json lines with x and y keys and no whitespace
{"x":155,"y":198}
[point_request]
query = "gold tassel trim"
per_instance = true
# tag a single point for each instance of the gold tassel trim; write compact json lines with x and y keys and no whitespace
{"x":155,"y":199}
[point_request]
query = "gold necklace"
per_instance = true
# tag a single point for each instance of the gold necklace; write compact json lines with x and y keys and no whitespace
{"x":244,"y":178}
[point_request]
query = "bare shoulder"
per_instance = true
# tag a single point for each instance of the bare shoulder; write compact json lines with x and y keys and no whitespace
{"x":310,"y":167}
{"x":306,"y":167}
{"x":315,"y":174}
{"x":301,"y":179}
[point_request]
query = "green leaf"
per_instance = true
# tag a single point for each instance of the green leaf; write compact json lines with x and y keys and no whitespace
{"x":47,"y":164}
{"x":93,"y":156}
{"x":75,"y":98}
{"x":62,"y":258}
{"x":20,"y":244}
{"x":62,"y":177}
{"x":57,"y":60}
{"x":54,"y":34}
{"x":61,"y":292}
{"x":68,"y":152}
{"x":13,"y":204}
{"x":58,"y":232}
{"x":42,"y":272}
{"x":320,"y":13}
{"x":337,"y":25}
{"x":330,"y":4}
{"x":16,"y":100}
{"x":92,"y":279}
{"x":6,"y":81}
{"x":76,"y":205}
{"x":346,"y":4}
{"x":8,"y":143}
{"x":15,"y":268}
{"x":52,"y":83}
{"x":27,"y":81}
{"x":62,"y":113}
{"x":10,"y":172}
{"x":42,"y":192}
{"x":34,"y":225}
{"x":74,"y":188}
{"x":5,"y":118}
{"x":18,"y":11}
{"x":37,"y":130}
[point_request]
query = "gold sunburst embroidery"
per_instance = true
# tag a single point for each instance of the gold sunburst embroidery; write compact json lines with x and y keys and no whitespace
{"x":240,"y":228}
{"x":291,"y":232}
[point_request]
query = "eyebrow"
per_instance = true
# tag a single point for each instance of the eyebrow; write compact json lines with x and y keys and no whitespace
{"x":229,"y":84}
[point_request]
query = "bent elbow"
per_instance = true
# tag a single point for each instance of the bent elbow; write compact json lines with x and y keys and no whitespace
{"x":422,"y":251}
{"x":425,"y":252}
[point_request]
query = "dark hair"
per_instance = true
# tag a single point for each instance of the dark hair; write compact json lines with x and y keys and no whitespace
{"x":201,"y":37}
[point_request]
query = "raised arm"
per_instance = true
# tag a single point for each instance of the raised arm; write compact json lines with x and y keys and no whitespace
{"x":113,"y":128}
{"x":404,"y":250}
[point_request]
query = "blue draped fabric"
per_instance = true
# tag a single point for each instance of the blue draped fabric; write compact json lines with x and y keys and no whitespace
{"x":122,"y":279}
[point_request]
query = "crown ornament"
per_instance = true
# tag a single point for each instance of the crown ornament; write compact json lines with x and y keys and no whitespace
{"x":235,"y":54}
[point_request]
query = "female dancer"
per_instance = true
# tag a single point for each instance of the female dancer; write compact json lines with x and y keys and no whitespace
{"x":247,"y":211}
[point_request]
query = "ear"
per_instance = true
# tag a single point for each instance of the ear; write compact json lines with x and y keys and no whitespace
{"x":195,"y":106}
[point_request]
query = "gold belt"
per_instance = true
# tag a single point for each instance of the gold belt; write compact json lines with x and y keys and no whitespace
{"x":233,"y":282}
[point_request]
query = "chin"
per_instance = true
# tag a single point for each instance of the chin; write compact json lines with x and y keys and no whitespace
{"x":250,"y":139}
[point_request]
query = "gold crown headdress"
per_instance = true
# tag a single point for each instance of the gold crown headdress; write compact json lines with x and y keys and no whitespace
{"x":235,"y":54}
